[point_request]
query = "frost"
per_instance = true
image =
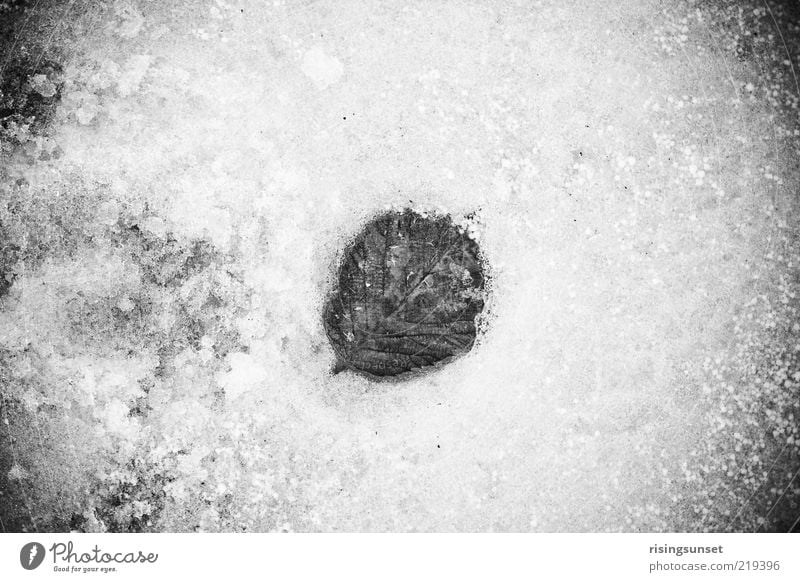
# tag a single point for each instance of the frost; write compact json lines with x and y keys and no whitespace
{"x":245,"y":374}
{"x":17,"y":473}
{"x":42,"y":85}
{"x":131,"y":20}
{"x":173,"y":217}
{"x":323,"y":70}
{"x":133,"y":73}
{"x":116,"y":420}
{"x":84,"y":105}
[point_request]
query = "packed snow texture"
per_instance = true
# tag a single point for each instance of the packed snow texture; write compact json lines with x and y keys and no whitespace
{"x":170,"y":234}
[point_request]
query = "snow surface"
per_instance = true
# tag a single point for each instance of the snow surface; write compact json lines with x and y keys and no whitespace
{"x":632,"y":170}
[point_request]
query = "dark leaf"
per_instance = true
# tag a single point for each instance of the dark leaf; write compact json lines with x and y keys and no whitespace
{"x":409,"y":289}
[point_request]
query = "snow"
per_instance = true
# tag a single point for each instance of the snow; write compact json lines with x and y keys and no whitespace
{"x":322,"y":69}
{"x":245,"y":374}
{"x":633,"y":195}
{"x":42,"y":85}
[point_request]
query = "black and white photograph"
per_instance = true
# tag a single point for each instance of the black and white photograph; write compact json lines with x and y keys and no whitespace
{"x":381,"y":266}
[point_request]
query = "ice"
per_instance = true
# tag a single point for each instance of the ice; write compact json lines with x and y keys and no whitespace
{"x":133,"y":75}
{"x":42,"y":85}
{"x":246,"y":373}
{"x":322,"y":69}
{"x":632,"y":195}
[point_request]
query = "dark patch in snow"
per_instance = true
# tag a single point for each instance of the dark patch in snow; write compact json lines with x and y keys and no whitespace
{"x":409,"y":290}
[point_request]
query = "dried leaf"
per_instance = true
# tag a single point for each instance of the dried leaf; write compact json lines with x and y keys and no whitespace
{"x":408,"y":292}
